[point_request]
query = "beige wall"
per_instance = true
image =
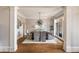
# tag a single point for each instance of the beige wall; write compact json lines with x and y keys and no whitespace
{"x":4,"y":29}
{"x":8,"y":28}
{"x":72,"y":29}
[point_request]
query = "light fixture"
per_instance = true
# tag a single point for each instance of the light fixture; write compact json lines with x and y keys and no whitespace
{"x":39,"y":22}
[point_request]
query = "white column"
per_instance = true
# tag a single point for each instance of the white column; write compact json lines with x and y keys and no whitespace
{"x":13,"y":29}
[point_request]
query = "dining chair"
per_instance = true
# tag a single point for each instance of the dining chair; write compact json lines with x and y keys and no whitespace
{"x":43,"y":36}
{"x":36,"y":36}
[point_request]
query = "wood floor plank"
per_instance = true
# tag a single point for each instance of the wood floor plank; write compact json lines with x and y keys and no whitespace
{"x":39,"y":48}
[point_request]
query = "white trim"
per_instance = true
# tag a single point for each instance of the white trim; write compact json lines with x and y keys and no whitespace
{"x":13,"y":29}
{"x":74,"y":49}
{"x":67,"y":34}
{"x":13,"y":49}
{"x":68,"y":49}
{"x":4,"y":48}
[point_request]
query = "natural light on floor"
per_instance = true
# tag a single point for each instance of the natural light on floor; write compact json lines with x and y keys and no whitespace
{"x":55,"y":41}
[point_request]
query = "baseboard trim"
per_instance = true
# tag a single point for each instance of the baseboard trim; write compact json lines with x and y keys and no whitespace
{"x":68,"y":49}
{"x":74,"y":49}
{"x":7,"y":49}
{"x":13,"y":49}
{"x":4,"y":48}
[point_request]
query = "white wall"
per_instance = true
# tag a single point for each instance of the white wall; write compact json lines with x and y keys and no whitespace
{"x":4,"y":29}
{"x":72,"y":29}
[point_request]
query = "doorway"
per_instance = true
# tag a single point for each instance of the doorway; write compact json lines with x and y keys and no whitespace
{"x":31,"y":33}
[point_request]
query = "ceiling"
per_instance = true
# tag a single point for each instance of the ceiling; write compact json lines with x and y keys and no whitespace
{"x":46,"y":12}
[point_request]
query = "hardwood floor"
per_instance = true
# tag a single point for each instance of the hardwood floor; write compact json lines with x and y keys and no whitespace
{"x":39,"y":48}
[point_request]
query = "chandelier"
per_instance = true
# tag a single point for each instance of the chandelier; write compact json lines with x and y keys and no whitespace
{"x":39,"y":22}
